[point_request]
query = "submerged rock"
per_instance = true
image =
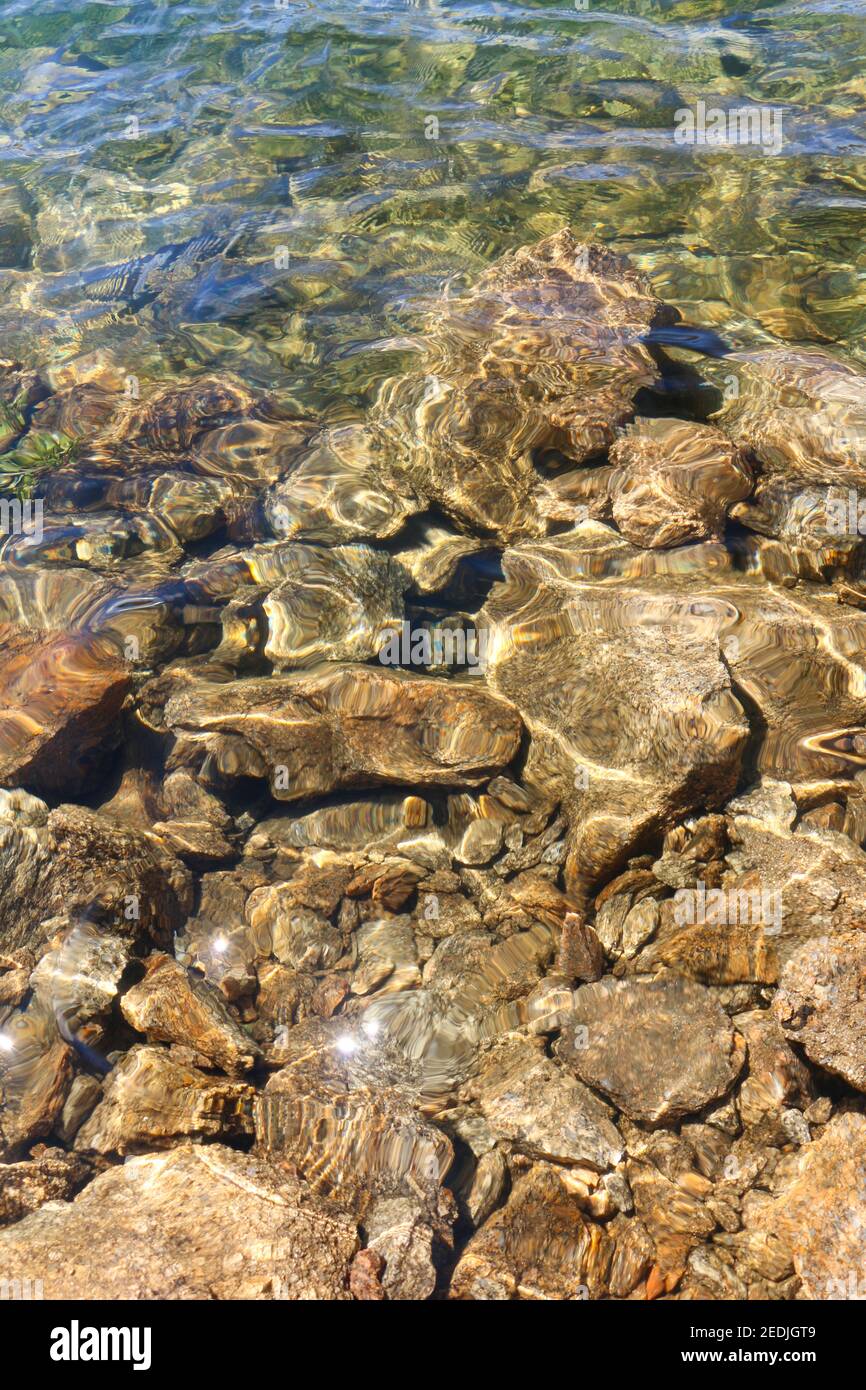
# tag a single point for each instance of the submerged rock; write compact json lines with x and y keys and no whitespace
{"x":35,"y":1075}
{"x":354,"y":1144}
{"x":820,"y":1004}
{"x":629,"y":705}
{"x":78,"y":861}
{"x":543,"y":1111}
{"x":659,"y":1050}
{"x":802,"y":411}
{"x":168,"y":1005}
{"x":820,"y":1215}
{"x":61,"y":697}
{"x":333,"y":604}
{"x":203,"y":1222}
{"x":338,"y":491}
{"x":783,"y":885}
{"x":354,"y":727}
{"x":150,"y":1101}
{"x":544,"y":353}
{"x":674,"y":481}
{"x":539,"y":1246}
{"x":648,"y":751}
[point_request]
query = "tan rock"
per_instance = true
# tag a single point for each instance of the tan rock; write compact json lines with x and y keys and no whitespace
{"x":355,"y":727}
{"x":203,"y":1222}
{"x":150,"y":1101}
{"x":658,"y":1049}
{"x":169,"y":1005}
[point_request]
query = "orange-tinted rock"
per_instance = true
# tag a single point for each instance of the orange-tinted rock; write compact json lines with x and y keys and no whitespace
{"x":821,"y":1215}
{"x":202,"y":1222}
{"x":60,"y":697}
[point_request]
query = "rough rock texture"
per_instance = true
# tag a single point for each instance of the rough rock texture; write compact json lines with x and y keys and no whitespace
{"x":170,"y":1006}
{"x":35,"y":1076}
{"x":333,"y":604}
{"x":352,"y":1144}
{"x":50,"y":1176}
{"x":542,"y":1111}
{"x":150,"y":1101}
{"x":545,"y":983}
{"x":76,"y":860}
{"x":193,"y":1223}
{"x":659,"y":1050}
{"x":630,"y":709}
{"x":821,"y":1214}
{"x":821,"y":1003}
{"x":540,"y":1245}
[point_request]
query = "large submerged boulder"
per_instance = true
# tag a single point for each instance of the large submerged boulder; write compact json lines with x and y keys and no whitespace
{"x":545,"y":352}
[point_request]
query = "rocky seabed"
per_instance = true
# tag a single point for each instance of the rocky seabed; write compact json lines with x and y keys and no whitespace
{"x":431,"y":844}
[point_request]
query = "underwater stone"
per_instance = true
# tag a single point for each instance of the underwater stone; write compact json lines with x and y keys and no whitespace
{"x":659,"y":1050}
{"x":545,"y":1113}
{"x":820,"y":1214}
{"x":819,"y":1004}
{"x":674,"y":481}
{"x":197,"y":1222}
{"x":332,"y":604}
{"x":80,"y":862}
{"x":538,"y":1246}
{"x":543,"y":353}
{"x":170,"y":1005}
{"x":354,"y":727}
{"x":802,"y":411}
{"x":61,"y":697}
{"x":150,"y":1101}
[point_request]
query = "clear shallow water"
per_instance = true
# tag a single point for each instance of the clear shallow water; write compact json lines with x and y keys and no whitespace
{"x":299,"y":135}
{"x":246,"y":211}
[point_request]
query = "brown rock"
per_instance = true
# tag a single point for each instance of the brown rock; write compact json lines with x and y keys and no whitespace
{"x":35,"y":1075}
{"x":802,"y":411}
{"x":354,"y":727}
{"x":632,"y":722}
{"x":539,"y":1246}
{"x":465,"y":428}
{"x":365,"y":1277}
{"x":356,"y":1145}
{"x":545,"y":1113}
{"x":60,"y":698}
{"x":659,"y":1050}
{"x":777,"y":1078}
{"x":78,"y":860}
{"x":169,"y":1005}
{"x":51,"y":1176}
{"x":150,"y":1101}
{"x":582,"y":953}
{"x":201,"y":1222}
